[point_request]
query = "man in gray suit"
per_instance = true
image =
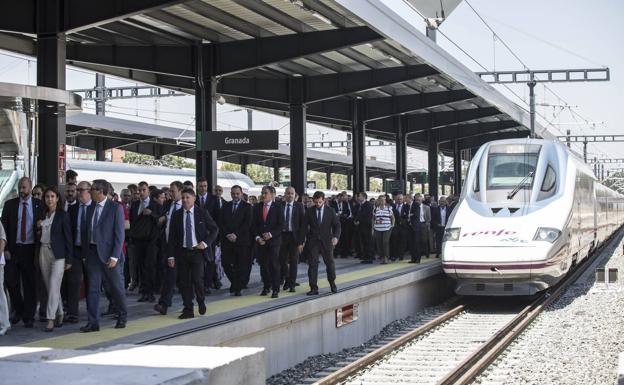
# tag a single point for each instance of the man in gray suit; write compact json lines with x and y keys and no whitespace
{"x":105,"y":234}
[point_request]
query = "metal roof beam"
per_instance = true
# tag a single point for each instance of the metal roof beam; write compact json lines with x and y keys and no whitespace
{"x":84,"y":14}
{"x":462,"y":131}
{"x":243,"y":55}
{"x":226,"y":58}
{"x":322,"y":87}
{"x":380,"y":108}
{"x":428,"y":120}
{"x":478,"y":141}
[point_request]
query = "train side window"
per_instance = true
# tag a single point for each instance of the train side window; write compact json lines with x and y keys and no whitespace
{"x":549,"y":180}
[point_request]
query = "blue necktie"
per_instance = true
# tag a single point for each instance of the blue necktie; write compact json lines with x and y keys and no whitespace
{"x":318,"y":215}
{"x":288,"y":217}
{"x":189,"y":229}
{"x":95,"y":221}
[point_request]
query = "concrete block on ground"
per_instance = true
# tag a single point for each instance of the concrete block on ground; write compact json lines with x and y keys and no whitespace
{"x":133,"y":365}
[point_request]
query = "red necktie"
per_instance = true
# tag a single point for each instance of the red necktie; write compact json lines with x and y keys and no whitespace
{"x":265,"y":211}
{"x":24,"y":209}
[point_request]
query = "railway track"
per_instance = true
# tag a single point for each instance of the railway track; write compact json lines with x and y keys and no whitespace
{"x":455,"y":347}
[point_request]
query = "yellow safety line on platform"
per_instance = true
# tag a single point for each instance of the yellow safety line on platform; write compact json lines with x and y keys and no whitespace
{"x":80,"y":340}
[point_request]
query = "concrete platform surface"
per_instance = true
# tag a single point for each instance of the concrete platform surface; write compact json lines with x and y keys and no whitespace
{"x":133,"y":365}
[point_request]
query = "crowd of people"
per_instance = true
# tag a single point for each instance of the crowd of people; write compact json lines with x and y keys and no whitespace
{"x":156,"y":239}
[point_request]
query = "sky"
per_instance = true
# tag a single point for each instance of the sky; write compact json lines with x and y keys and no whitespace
{"x":546,"y":34}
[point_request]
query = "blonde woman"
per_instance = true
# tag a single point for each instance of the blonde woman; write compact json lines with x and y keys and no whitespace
{"x":383,"y":221}
{"x":55,"y":254}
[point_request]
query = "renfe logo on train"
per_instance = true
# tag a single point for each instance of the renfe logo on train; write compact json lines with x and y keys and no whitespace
{"x":496,"y":233}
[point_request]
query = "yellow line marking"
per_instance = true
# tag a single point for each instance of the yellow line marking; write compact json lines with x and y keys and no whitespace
{"x":80,"y":340}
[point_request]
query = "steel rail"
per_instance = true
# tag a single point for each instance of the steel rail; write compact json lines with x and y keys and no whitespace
{"x":354,"y":367}
{"x":472,"y":366}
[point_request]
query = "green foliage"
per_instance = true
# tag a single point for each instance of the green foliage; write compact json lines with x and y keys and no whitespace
{"x":166,"y":161}
{"x":259,"y":174}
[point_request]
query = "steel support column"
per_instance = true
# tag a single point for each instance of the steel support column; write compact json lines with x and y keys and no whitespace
{"x":100,"y":151}
{"x":243,"y":166}
{"x":457,"y":167}
{"x":276,"y":175}
{"x":298,"y":148}
{"x":205,"y":117}
{"x":359,"y":149}
{"x":350,"y":182}
{"x":100,"y":96}
{"x":432,"y":155}
{"x":401,"y":150}
{"x":328,"y":178}
{"x":51,"y":55}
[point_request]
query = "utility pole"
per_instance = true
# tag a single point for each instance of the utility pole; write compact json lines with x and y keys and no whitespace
{"x":549,"y":76}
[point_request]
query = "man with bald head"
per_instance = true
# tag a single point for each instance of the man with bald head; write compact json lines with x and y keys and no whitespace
{"x":293,"y":237}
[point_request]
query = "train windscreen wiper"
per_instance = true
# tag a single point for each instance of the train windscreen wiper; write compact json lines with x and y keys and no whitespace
{"x":513,"y":192}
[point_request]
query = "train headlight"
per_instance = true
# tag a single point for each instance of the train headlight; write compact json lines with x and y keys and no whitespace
{"x":546,"y":234}
{"x":451,"y":234}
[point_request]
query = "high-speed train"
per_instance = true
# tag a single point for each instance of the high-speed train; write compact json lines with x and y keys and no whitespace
{"x":528,"y":213}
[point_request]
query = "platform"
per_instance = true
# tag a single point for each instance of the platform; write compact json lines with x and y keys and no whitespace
{"x":384,"y":293}
{"x":133,"y":365}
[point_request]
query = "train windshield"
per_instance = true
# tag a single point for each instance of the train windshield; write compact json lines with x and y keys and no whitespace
{"x":510,"y":167}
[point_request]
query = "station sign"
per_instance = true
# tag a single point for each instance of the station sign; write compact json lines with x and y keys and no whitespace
{"x":241,"y":140}
{"x":393,"y":186}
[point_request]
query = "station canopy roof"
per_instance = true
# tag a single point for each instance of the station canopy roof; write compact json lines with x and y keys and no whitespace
{"x":83,"y":130}
{"x":338,"y":50}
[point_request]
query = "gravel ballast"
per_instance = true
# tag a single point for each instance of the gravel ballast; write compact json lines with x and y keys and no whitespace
{"x":576,"y":340}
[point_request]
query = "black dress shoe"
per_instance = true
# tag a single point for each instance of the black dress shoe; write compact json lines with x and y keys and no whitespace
{"x":292,"y":290}
{"x":232,"y":289}
{"x":151,"y":298}
{"x":275,"y":294}
{"x":363,"y":261}
{"x":264,"y":292}
{"x":162,"y":309}
{"x":15,"y":320}
{"x":89,"y":328}
{"x":333,"y":287}
{"x":29,"y":324}
{"x":186,"y":315}
{"x":202,"y":308}
{"x":143,"y":298}
{"x":72,"y":319}
{"x":120,"y":324}
{"x":312,"y":292}
{"x":237,"y":293}
{"x":296,"y":284}
{"x":218,"y":285}
{"x":286,"y":286}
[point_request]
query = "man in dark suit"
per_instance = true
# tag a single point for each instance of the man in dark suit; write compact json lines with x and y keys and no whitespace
{"x":191,"y":233}
{"x":439,"y":219}
{"x":73,"y":276}
{"x":323,"y":234}
{"x":19,"y":218}
{"x":420,"y":219}
{"x":210,"y":203}
{"x":398,"y":239}
{"x":342,"y":207}
{"x":268,"y":222}
{"x":234,"y":228}
{"x":169,"y":272}
{"x":293,"y":238}
{"x":144,"y":213}
{"x":364,"y":221}
{"x":104,"y":240}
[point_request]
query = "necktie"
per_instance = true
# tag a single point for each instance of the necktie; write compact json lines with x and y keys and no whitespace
{"x":82,"y":220}
{"x":265,"y":212}
{"x":24,"y":219}
{"x":235,"y":207}
{"x":188,"y":230}
{"x":95,"y":221}
{"x":220,"y":203}
{"x":288,"y":216}
{"x":203,"y":202}
{"x":141,"y":207}
{"x":318,"y":215}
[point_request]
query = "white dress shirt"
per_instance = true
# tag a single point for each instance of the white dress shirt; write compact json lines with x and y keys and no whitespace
{"x":422,"y":213}
{"x":146,"y":203}
{"x":443,"y":215}
{"x":46,"y":227}
{"x":174,"y":207}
